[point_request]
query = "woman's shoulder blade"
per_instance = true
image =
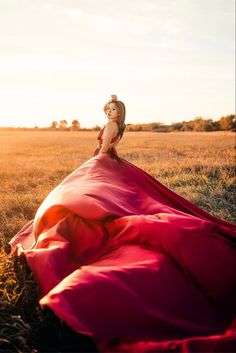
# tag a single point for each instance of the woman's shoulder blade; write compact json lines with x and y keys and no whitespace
{"x":112,"y":125}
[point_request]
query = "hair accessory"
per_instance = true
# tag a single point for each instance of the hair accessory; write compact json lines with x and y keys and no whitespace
{"x":113,"y":98}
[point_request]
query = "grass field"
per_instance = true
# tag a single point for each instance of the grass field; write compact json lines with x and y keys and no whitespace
{"x":199,"y":166}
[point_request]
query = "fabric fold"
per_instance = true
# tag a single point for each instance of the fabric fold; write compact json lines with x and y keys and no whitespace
{"x":120,"y":257}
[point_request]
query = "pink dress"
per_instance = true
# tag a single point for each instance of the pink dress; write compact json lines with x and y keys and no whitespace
{"x":120,"y":257}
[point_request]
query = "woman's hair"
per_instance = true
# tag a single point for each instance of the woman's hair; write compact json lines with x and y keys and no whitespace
{"x":121,"y":110}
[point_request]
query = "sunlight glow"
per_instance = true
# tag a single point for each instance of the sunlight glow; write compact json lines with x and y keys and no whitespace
{"x":167,"y":60}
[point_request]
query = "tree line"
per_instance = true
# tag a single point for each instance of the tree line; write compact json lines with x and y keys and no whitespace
{"x":75,"y":126}
{"x":226,"y":123}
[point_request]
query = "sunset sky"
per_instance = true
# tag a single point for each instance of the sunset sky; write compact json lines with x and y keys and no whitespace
{"x":167,"y":60}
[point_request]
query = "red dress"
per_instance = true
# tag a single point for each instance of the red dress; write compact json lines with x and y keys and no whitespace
{"x":120,"y":257}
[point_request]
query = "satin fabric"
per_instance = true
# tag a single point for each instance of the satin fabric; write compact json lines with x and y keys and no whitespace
{"x":120,"y":257}
{"x":111,"y":147}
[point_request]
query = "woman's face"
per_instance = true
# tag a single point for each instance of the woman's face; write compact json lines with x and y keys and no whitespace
{"x":112,"y":111}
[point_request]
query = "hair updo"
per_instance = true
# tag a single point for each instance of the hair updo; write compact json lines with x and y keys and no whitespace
{"x":121,"y":110}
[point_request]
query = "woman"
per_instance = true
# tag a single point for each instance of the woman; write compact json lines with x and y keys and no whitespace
{"x":121,"y":258}
{"x":115,"y":111}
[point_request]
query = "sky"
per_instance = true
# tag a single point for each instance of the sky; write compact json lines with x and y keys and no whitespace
{"x":167,"y":60}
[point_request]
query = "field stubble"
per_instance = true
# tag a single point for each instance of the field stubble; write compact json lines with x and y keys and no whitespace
{"x":199,"y":166}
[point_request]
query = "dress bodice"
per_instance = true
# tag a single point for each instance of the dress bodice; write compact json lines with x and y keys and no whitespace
{"x":108,"y":137}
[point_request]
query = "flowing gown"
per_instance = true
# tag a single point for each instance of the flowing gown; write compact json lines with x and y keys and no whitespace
{"x":120,"y":257}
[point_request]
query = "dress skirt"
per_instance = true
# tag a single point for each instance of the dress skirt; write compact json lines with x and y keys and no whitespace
{"x":120,"y":257}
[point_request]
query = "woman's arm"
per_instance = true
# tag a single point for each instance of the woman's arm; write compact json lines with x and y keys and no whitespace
{"x":110,"y":131}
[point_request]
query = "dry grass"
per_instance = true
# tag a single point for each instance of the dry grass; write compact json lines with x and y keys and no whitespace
{"x":198,"y":166}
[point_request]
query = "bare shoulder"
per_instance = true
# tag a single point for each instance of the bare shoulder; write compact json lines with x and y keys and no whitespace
{"x":112,"y":125}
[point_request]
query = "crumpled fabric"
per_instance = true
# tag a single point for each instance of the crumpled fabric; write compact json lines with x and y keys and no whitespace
{"x":120,"y":257}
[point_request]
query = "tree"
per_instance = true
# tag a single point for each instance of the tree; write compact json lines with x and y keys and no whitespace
{"x":75,"y":124}
{"x":186,"y":126}
{"x":176,"y":126}
{"x":63,"y":124}
{"x":96,"y":128}
{"x":209,"y":125}
{"x":228,"y":122}
{"x":198,"y":124}
{"x":54,"y":124}
{"x":155,"y":126}
{"x":216,"y":125}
